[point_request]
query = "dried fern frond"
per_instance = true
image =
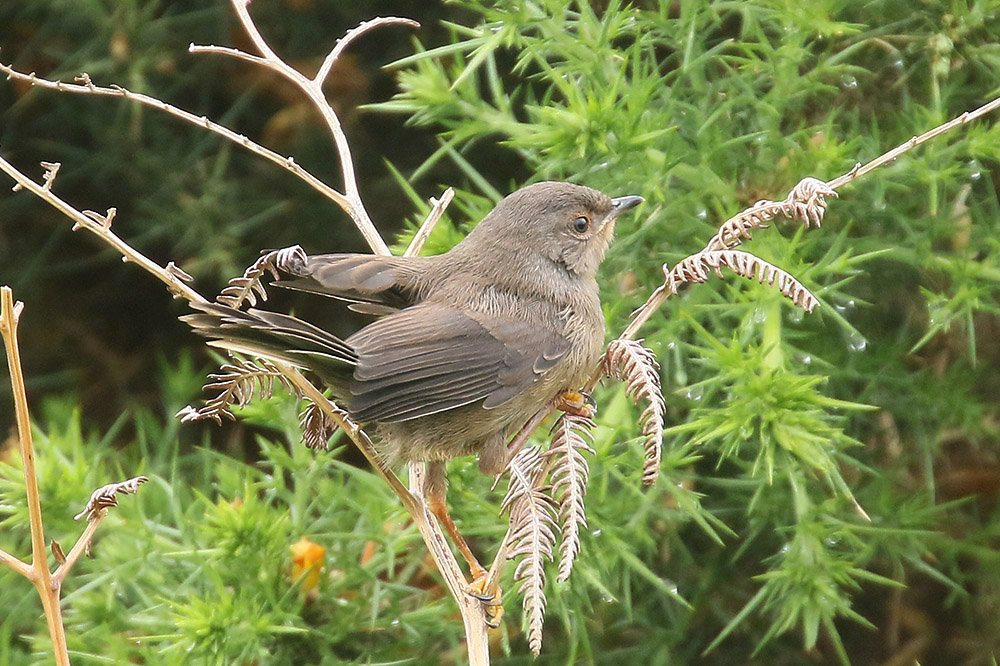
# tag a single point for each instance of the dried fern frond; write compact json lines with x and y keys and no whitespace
{"x":532,"y":523}
{"x":569,"y":477}
{"x":316,"y":426}
{"x":248,"y":287}
{"x":630,"y":362}
{"x":806,"y":202}
{"x":237,"y":383}
{"x":696,"y":269}
{"x":107,"y":496}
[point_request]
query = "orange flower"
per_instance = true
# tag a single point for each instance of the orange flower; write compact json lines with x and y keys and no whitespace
{"x":307,"y":557}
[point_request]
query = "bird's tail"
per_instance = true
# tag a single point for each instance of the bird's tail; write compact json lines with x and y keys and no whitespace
{"x":275,"y":337}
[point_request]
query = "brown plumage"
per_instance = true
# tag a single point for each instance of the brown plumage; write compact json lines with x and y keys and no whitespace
{"x":471,"y":342}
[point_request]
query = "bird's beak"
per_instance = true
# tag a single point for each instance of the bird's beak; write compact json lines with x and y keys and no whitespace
{"x":618,"y":206}
{"x":622,"y":204}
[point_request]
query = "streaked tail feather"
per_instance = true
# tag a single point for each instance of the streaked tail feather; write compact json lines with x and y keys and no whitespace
{"x":275,"y":337}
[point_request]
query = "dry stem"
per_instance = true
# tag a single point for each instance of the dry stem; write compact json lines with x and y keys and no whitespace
{"x":87,"y":87}
{"x":101,"y":227}
{"x":424,"y":232}
{"x":39,"y":573}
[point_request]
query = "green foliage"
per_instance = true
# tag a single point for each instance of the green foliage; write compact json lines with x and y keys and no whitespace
{"x":751,"y":547}
{"x":704,"y":108}
{"x":196,"y":568}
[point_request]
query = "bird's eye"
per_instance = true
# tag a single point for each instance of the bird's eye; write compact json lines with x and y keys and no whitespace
{"x":581,"y":224}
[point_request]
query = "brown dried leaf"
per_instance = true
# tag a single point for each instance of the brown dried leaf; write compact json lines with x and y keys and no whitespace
{"x":696,"y":268}
{"x":806,"y":202}
{"x":107,"y":496}
{"x":316,"y":426}
{"x":630,"y":362}
{"x":532,"y":525}
{"x":248,"y":287}
{"x":569,"y":477}
{"x":237,"y":383}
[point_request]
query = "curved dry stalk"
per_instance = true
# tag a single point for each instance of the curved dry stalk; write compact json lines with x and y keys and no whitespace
{"x":571,"y":438}
{"x":892,"y":155}
{"x":630,"y":362}
{"x":170,"y":275}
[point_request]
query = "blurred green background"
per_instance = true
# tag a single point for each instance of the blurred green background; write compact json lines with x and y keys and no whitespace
{"x":749,"y":549}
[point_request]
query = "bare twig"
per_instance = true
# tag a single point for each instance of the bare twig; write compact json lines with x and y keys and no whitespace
{"x":87,"y":87}
{"x":94,"y":224}
{"x":313,"y":88}
{"x":424,"y":232}
{"x":896,"y":152}
{"x":471,"y":608}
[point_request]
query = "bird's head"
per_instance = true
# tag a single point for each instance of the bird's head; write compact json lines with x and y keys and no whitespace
{"x":568,"y":225}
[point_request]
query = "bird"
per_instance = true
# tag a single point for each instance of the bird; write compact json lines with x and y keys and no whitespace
{"x":466,"y":345}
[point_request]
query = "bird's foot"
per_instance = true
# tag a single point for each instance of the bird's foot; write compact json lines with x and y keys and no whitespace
{"x":491,"y":599}
{"x":577,"y":403}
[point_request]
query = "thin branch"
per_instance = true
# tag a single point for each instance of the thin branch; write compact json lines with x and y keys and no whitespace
{"x":353,"y":34}
{"x":896,"y":152}
{"x":313,"y":89}
{"x":100,"y":226}
{"x":87,"y":87}
{"x":17,"y":564}
{"x":471,"y":609}
{"x":806,"y":196}
{"x":81,"y":546}
{"x":424,"y":232}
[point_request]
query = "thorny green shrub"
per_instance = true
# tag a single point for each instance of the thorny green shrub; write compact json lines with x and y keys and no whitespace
{"x":750,"y":543}
{"x":779,"y":421}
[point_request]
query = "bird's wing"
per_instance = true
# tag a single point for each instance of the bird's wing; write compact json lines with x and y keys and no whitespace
{"x":373,"y":284}
{"x":430,"y":358}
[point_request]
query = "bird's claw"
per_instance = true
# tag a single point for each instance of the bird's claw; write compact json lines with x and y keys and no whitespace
{"x":577,"y":403}
{"x":491,"y":601}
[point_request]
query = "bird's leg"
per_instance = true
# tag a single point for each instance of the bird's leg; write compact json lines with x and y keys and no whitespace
{"x":435,"y":494}
{"x":576,"y":403}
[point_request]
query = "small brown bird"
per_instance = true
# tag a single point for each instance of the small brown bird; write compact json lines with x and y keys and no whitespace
{"x":471,"y":343}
